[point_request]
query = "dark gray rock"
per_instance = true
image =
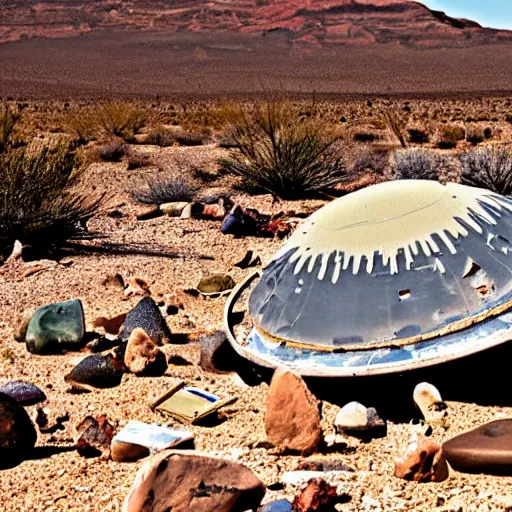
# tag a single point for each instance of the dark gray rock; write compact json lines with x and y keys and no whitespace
{"x":23,"y":392}
{"x":96,"y":371}
{"x":147,"y":316}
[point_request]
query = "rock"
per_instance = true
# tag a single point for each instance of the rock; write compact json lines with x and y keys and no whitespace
{"x":429,"y":401}
{"x":318,"y":495}
{"x":55,"y":327}
{"x":486,"y":449}
{"x":96,"y":371}
{"x":95,"y":436}
{"x":142,"y":355}
{"x":148,"y":213}
{"x":173,"y":209}
{"x":137,"y":440}
{"x":22,"y":322}
{"x":292,"y":419}
{"x":113,"y":281}
{"x":110,"y":325}
{"x":147,"y":316}
{"x":192,"y":211}
{"x":423,"y":462}
{"x":217,"y":354}
{"x":186,"y":482}
{"x":356,"y":420}
{"x":17,"y":251}
{"x":136,"y":286}
{"x":239,"y":223}
{"x":249,"y":260}
{"x":278,"y":506}
{"x":23,"y":392}
{"x":213,"y":212}
{"x":17,"y":433}
{"x":215,"y":283}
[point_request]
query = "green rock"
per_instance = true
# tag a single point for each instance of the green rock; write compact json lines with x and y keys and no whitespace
{"x":215,"y":283}
{"x":55,"y":327}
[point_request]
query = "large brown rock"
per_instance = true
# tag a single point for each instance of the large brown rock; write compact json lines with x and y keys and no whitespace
{"x":17,"y":433}
{"x":183,"y":481}
{"x":142,"y":355}
{"x":292,"y":420}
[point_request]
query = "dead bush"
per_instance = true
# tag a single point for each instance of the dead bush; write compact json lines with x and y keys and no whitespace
{"x":419,"y":164}
{"x":113,"y":152}
{"x":159,"y":191}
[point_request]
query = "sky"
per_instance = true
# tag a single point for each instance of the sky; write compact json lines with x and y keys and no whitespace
{"x":489,"y":13}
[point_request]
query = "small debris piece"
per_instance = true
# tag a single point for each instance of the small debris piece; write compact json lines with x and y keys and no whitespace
{"x":215,"y":284}
{"x":354,"y":419}
{"x":186,"y":482}
{"x":96,"y":371}
{"x":138,"y":440}
{"x":429,"y":401}
{"x":142,"y":355}
{"x":423,"y":461}
{"x":136,"y":286}
{"x":95,"y":436}
{"x":190,"y":404}
{"x":110,"y":325}
{"x":174,"y":209}
{"x":248,"y":261}
{"x":147,"y":316}
{"x":239,"y":223}
{"x":278,"y":506}
{"x":317,"y":496}
{"x":17,"y":433}
{"x":192,"y":211}
{"x":213,"y":212}
{"x":56,"y":326}
{"x":113,"y":281}
{"x":23,"y":392}
{"x":217,"y":354}
{"x":486,"y":449}
{"x":292,"y":419}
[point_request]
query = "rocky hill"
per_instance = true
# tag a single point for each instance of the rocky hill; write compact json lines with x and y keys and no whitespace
{"x":308,"y":22}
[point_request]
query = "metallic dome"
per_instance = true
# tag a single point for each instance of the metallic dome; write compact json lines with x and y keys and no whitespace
{"x":400,"y":274}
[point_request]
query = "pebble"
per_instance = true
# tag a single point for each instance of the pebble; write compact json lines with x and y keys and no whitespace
{"x":23,"y":392}
{"x":359,"y":421}
{"x":428,"y":399}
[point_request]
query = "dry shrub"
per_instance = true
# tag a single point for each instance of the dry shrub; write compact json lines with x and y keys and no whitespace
{"x":8,"y":120}
{"x":159,"y":191}
{"x":418,"y":136}
{"x":449,"y":135}
{"x":420,"y":164}
{"x":160,"y":136}
{"x":81,"y":124}
{"x":369,"y":159}
{"x":38,"y":205}
{"x":279,"y":155}
{"x":364,"y":137}
{"x":113,"y":152}
{"x":191,"y":138}
{"x":137,"y":160}
{"x":204,"y":176}
{"x":395,"y":123}
{"x":488,"y":167}
{"x":474,"y":135}
{"x":120,"y":119}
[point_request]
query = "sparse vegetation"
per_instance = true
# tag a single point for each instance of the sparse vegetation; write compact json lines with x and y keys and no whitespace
{"x":191,"y":138}
{"x":8,"y":120}
{"x":418,"y":164}
{"x":81,"y":124}
{"x":488,"y":167}
{"x":113,"y":152}
{"x":159,"y":191}
{"x":120,"y":119}
{"x":137,"y":160}
{"x":395,"y":124}
{"x":281,"y":156}
{"x":450,"y":135}
{"x":38,"y":206}
{"x":475,"y":135}
{"x":417,"y":136}
{"x":160,"y":136}
{"x":364,"y":137}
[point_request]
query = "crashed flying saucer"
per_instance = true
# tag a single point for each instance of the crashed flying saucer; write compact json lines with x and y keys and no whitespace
{"x":397,"y":276}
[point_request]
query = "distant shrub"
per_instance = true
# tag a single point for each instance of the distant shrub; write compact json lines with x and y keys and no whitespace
{"x":160,"y":191}
{"x":370,"y":160}
{"x":160,"y":136}
{"x":136,"y":160}
{"x":81,"y":124}
{"x":417,"y":136}
{"x":488,"y":133}
{"x":508,"y":118}
{"x":488,"y":167}
{"x":364,"y":137}
{"x":475,"y":135}
{"x":38,"y":206}
{"x":121,"y":119}
{"x":8,"y":120}
{"x":279,"y":155}
{"x":113,"y":152}
{"x":418,"y":164}
{"x":191,"y":138}
{"x":450,"y":135}
{"x":204,"y":176}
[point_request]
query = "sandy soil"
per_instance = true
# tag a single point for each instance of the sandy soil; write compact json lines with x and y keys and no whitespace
{"x":67,"y":481}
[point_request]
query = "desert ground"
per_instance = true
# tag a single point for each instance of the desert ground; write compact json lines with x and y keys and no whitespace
{"x":57,"y":477}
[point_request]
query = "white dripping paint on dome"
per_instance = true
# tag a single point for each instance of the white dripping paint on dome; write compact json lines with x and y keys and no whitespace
{"x":387,"y":219}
